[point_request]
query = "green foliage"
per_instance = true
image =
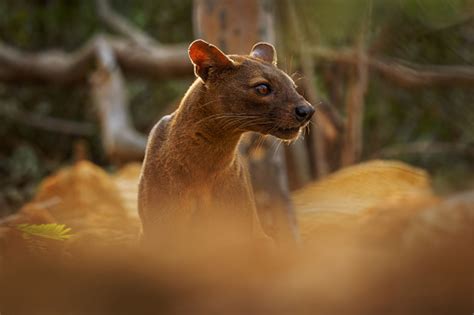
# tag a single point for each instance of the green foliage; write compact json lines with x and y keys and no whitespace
{"x":435,"y":13}
{"x":168,"y":21}
{"x":47,"y":23}
{"x":52,"y":231}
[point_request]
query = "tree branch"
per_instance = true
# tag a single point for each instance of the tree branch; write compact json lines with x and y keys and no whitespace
{"x":51,"y":66}
{"x":159,"y":62}
{"x":155,"y":62}
{"x":402,"y":73}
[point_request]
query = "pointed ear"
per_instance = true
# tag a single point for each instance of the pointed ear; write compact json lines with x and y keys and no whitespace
{"x":265,"y":52}
{"x":205,"y":57}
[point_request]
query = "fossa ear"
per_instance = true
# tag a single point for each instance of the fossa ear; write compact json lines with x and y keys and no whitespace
{"x":264,"y":51}
{"x":205,"y":57}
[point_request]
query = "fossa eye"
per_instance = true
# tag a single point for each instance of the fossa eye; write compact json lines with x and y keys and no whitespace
{"x":263,"y":89}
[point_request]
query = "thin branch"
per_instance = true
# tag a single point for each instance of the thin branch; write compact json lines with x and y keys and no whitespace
{"x":403,"y":73}
{"x":422,"y":147}
{"x":120,"y":25}
{"x":411,"y":75}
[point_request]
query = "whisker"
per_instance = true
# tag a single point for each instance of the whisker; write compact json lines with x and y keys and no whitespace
{"x":279,"y":142}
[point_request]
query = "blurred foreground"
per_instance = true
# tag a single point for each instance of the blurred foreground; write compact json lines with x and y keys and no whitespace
{"x":375,"y":240}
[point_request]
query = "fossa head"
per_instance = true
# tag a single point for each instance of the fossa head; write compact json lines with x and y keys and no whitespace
{"x":251,"y":93}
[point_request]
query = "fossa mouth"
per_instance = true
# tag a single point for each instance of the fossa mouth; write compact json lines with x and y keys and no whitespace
{"x":286,"y":133}
{"x":289,"y":130}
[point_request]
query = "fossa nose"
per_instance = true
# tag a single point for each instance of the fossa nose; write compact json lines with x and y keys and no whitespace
{"x":304,"y":113}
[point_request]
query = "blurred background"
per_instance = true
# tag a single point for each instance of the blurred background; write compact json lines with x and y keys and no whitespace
{"x":88,"y":79}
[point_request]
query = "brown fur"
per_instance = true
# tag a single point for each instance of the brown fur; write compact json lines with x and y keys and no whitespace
{"x":192,"y":176}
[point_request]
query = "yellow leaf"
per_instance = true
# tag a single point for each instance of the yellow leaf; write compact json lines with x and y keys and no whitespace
{"x":52,"y":231}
